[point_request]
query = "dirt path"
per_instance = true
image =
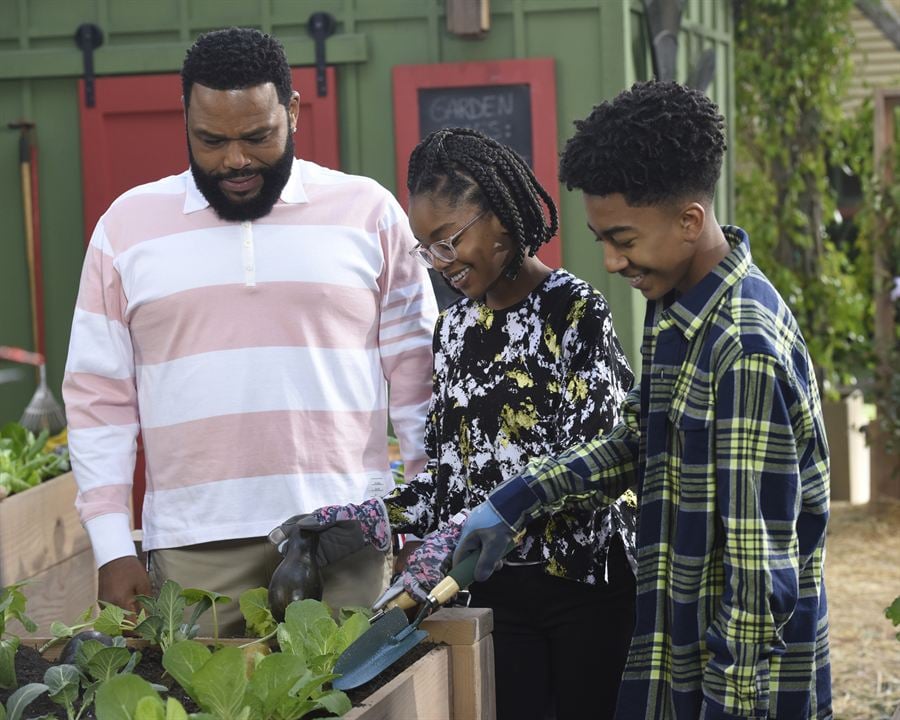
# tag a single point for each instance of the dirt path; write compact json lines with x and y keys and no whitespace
{"x":862,"y":578}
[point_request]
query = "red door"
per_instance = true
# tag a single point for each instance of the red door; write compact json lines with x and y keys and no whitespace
{"x":135,"y":134}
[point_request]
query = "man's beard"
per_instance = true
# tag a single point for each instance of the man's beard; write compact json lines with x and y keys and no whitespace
{"x":274,"y":178}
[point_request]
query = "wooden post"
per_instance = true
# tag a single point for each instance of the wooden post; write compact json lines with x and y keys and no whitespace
{"x":885,"y":466}
{"x":468,"y":633}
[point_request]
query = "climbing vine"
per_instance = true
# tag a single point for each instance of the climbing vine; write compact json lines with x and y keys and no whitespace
{"x":792,"y":64}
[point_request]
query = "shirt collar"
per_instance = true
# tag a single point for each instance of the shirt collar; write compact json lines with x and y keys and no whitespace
{"x":293,"y":192}
{"x":690,"y":311}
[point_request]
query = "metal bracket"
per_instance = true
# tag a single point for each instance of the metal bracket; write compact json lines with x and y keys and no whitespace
{"x":88,"y":37}
{"x":321,"y":25}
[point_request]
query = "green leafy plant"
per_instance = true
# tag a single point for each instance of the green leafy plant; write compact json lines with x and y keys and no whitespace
{"x":23,"y":461}
{"x":164,"y":623}
{"x":276,"y":686}
{"x":309,"y":632}
{"x":892,"y":613}
{"x":792,"y":66}
{"x":21,"y":699}
{"x":12,"y":607}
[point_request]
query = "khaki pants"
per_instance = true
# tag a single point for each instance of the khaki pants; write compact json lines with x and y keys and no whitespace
{"x":230,"y":567}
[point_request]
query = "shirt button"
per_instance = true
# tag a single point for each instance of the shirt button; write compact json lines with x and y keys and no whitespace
{"x":248,"y":268}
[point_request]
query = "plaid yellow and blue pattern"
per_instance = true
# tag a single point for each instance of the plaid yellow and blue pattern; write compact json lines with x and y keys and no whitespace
{"x":724,"y":441}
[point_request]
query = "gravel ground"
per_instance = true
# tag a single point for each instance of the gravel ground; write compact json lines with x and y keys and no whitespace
{"x":862,"y":575}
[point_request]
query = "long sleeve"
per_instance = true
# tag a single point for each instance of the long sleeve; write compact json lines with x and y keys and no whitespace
{"x":592,"y":474}
{"x":412,"y":506}
{"x":758,"y":503}
{"x":408,"y":313}
{"x":101,"y":403}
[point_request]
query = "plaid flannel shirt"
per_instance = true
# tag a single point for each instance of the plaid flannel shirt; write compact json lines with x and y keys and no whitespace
{"x":724,"y":440}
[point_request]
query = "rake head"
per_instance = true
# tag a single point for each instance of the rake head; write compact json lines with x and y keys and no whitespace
{"x":43,"y":411}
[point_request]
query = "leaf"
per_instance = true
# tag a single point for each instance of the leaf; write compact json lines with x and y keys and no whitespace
{"x":118,"y":697}
{"x":8,"y":647}
{"x":220,"y":684}
{"x":353,"y":627}
{"x":63,"y":683}
{"x":175,"y":710}
{"x":107,"y":662}
{"x":272,"y":682}
{"x":150,"y":708}
{"x":892,"y":613}
{"x":183,"y":659}
{"x":255,"y":609}
{"x":335,"y":702}
{"x":22,"y":698}
{"x":170,"y":607}
{"x":110,"y":620}
{"x":86,"y":651}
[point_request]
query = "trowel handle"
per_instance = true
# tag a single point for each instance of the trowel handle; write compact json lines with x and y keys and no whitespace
{"x":460,"y":577}
{"x":18,"y":355}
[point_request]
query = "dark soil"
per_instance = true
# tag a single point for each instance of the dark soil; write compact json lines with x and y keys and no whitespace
{"x":30,"y":667}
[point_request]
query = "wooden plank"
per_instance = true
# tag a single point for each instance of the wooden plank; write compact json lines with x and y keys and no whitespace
{"x":39,"y":528}
{"x":420,"y":691}
{"x":473,"y":680}
{"x":459,"y":626}
{"x":62,"y":592}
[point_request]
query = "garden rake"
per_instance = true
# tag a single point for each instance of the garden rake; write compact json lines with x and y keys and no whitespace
{"x":43,"y":411}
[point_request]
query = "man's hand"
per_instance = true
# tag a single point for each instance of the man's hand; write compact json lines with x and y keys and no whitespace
{"x":120,"y":580}
{"x":484,"y":531}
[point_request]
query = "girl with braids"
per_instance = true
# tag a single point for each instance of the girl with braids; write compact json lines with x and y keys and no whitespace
{"x":526,"y":363}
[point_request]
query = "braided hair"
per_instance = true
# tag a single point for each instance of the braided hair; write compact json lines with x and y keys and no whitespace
{"x":464,"y":165}
{"x":657,"y":142}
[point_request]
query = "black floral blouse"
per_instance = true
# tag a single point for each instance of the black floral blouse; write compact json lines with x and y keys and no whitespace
{"x":510,"y":385}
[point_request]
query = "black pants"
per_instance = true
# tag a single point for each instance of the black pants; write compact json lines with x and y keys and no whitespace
{"x":559,"y":646}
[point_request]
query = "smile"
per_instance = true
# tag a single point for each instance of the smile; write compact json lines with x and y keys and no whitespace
{"x":634,"y":280}
{"x":458,"y":277}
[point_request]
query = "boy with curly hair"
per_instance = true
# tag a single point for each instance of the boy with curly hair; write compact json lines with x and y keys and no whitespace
{"x":722,"y":438}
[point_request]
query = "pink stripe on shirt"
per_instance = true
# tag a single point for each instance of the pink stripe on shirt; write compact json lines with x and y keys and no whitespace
{"x":101,"y":287}
{"x":228,"y":317}
{"x":263,"y":443}
{"x":94,"y":401}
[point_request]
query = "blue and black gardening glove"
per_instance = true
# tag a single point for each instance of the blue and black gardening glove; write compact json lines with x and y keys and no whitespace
{"x":486,"y":531}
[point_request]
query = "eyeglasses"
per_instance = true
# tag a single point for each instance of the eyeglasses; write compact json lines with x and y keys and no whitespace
{"x":443,"y":250}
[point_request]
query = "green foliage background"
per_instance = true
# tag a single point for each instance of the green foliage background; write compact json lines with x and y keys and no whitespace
{"x":792,"y":62}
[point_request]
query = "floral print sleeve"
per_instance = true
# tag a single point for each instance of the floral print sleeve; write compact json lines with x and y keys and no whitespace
{"x":515,"y":384}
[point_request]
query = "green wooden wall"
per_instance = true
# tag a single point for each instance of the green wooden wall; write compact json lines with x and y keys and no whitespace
{"x":600,"y":47}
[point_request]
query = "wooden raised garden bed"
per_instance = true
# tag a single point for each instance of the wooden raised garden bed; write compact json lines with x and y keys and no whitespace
{"x":454,"y":681}
{"x":42,"y":541}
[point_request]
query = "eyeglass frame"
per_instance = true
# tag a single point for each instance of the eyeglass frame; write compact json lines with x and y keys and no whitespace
{"x":425,"y":255}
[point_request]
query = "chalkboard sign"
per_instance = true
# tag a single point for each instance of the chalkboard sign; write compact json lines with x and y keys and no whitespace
{"x":512,"y":101}
{"x":502,"y":112}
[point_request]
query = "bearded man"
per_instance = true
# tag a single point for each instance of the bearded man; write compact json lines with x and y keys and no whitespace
{"x":246,"y":317}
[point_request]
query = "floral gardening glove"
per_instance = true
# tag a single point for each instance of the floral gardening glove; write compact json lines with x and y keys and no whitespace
{"x":430,"y":562}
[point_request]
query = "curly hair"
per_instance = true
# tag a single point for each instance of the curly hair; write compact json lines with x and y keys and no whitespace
{"x":657,"y":142}
{"x":236,"y":58}
{"x":464,"y":165}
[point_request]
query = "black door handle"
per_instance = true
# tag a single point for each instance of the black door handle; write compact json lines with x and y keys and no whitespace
{"x":321,"y":25}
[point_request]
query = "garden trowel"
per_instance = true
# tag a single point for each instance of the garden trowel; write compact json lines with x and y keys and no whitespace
{"x":392,"y":635}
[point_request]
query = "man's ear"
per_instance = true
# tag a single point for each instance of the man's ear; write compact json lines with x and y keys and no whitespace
{"x":692,"y":220}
